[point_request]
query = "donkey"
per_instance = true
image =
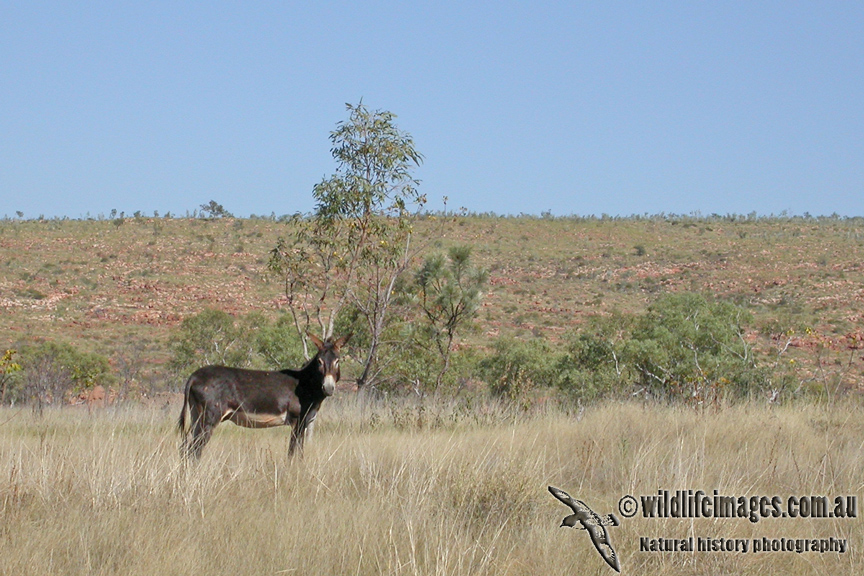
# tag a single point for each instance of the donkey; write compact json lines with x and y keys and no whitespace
{"x":259,"y":398}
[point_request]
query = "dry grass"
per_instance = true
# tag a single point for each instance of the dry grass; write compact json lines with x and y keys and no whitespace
{"x":394,"y":490}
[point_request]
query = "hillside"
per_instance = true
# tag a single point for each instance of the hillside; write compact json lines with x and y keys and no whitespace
{"x":121,"y":287}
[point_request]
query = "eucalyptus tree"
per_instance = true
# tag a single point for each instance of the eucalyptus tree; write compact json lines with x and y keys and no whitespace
{"x":357,"y":243}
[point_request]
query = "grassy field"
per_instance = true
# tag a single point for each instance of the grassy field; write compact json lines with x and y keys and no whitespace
{"x":396,"y":489}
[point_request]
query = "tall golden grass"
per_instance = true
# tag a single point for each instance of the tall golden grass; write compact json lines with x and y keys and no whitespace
{"x":397,"y":489}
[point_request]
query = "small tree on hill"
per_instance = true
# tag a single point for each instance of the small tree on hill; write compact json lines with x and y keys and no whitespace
{"x":214,"y":210}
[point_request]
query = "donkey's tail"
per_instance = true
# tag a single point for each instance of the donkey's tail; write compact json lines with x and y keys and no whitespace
{"x":181,"y":424}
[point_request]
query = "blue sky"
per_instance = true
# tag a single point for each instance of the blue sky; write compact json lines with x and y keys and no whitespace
{"x":574,"y":107}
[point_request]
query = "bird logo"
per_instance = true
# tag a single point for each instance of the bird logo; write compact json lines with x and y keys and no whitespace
{"x":584,"y":518}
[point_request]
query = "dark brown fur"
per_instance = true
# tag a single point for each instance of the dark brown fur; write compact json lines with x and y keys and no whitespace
{"x":259,"y":398}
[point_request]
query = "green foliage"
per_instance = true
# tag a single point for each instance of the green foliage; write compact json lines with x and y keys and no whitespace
{"x":588,"y":369}
{"x":356,"y":245}
{"x":214,"y":210}
{"x":448,"y":293}
{"x":8,"y":366}
{"x":214,"y":337}
{"x":516,"y":367}
{"x":693,"y":348}
{"x":50,"y":370}
{"x":684,"y":347}
{"x":373,"y":176}
{"x":411,"y":366}
{"x":278,"y":344}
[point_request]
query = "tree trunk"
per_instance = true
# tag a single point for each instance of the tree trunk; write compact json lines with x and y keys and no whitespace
{"x":373,"y":348}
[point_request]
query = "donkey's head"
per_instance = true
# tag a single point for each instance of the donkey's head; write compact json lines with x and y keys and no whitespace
{"x":327,"y":360}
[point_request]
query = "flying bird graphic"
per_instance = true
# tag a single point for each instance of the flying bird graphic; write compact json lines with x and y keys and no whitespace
{"x":592,"y":522}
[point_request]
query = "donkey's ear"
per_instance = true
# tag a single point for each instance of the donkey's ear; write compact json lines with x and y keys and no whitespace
{"x":315,"y":340}
{"x":342,"y":341}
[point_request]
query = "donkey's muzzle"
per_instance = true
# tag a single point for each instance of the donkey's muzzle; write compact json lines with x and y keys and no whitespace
{"x":329,"y":385}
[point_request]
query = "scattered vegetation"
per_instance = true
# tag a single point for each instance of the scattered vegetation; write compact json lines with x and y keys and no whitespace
{"x":698,"y":309}
{"x":792,"y":286}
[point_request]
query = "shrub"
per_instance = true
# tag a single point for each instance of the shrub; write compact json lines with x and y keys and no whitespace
{"x":588,"y":370}
{"x":251,"y":341}
{"x":690,"y":347}
{"x":214,"y":337}
{"x":8,"y":366}
{"x":278,"y":344}
{"x":516,"y":367}
{"x":50,"y":370}
{"x":684,"y":347}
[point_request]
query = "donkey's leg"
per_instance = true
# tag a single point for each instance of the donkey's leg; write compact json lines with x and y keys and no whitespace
{"x":202,"y":431}
{"x":310,"y":427}
{"x":303,"y":428}
{"x":200,"y":436}
{"x":310,"y":424}
{"x":296,"y":437}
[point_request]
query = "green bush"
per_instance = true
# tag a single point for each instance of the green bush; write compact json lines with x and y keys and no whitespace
{"x":516,"y":367}
{"x":214,"y":337}
{"x":278,"y":344}
{"x":689,"y":347}
{"x":414,"y":364}
{"x":414,"y":367}
{"x":51,"y":370}
{"x":684,"y":347}
{"x":250,"y":341}
{"x":588,"y":370}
